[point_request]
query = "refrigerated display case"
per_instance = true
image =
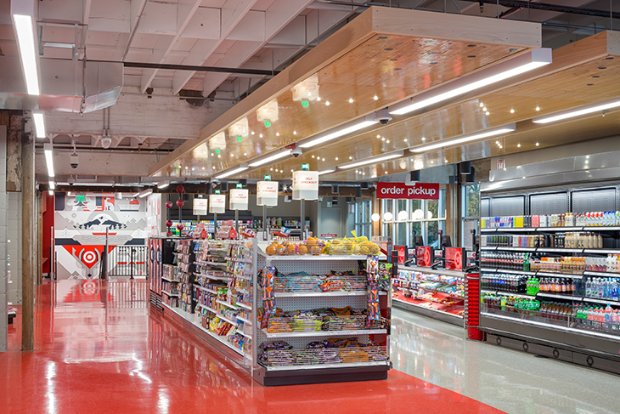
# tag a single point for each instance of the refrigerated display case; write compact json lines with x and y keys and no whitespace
{"x":551,"y":282}
{"x":437,"y":293}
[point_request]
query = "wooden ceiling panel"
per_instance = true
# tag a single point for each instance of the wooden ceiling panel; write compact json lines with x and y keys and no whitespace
{"x":382,"y":57}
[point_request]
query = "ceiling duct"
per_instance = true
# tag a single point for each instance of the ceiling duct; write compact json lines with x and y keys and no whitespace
{"x":66,"y":85}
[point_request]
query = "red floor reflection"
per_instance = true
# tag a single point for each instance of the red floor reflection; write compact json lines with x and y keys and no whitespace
{"x":100,"y":350}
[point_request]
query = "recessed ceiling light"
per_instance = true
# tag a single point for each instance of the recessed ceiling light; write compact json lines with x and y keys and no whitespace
{"x":577,"y":112}
{"x":383,"y":139}
{"x":253,"y":133}
{"x":375,"y":98}
{"x":351,"y":100}
{"x":318,"y":99}
{"x":537,"y":108}
{"x":335,"y":158}
{"x":467,"y":138}
{"x":260,"y":135}
{"x":378,"y":135}
{"x":512,"y":110}
{"x":405,"y":140}
{"x":481,"y":104}
{"x":323,"y":159}
{"x":277,"y":134}
{"x":476,"y":80}
{"x":313,"y":157}
{"x":518,"y":145}
{"x":294,"y":132}
{"x":387,"y":141}
{"x":538,"y":144}
{"x":350,"y":157}
{"x":327,"y":103}
{"x":487,"y":113}
{"x":423,"y":139}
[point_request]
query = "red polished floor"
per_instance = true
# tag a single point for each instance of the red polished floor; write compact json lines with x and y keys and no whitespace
{"x":100,"y":350}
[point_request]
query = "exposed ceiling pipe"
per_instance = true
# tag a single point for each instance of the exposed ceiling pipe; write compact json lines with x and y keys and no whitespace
{"x":166,"y":66}
{"x":523,"y":4}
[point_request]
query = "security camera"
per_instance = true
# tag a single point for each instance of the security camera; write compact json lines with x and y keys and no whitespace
{"x":296,"y":152}
{"x":74,"y":160}
{"x":384,"y":116}
{"x":106,"y":142}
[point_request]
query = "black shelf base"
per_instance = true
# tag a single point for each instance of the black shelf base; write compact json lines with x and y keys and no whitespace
{"x":320,"y":376}
{"x":592,"y":352}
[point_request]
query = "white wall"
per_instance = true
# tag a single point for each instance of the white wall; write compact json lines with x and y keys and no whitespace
{"x":14,"y":243}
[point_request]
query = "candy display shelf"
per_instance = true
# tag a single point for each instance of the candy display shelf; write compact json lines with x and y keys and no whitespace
{"x":323,"y":319}
{"x":437,"y":293}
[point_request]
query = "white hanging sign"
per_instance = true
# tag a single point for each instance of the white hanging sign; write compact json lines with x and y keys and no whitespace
{"x":200,"y":206}
{"x":238,"y":199}
{"x":306,"y":185}
{"x":267,"y":193}
{"x":217,"y":203}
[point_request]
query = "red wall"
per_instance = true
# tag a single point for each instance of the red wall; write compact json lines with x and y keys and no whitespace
{"x":47,"y":208}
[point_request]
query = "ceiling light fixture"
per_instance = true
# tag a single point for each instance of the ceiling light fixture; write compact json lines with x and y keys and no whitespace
{"x":232,"y":172}
{"x":39,"y":124}
{"x":165,"y":184}
{"x":52,"y":185}
{"x":466,"y":138}
{"x":275,"y":156}
{"x":484,"y":77}
{"x":371,"y":160}
{"x":145,"y":193}
{"x":48,"y":150}
{"x":576,"y":112}
{"x":23,"y":21}
{"x":340,"y":132}
{"x":326,"y":172}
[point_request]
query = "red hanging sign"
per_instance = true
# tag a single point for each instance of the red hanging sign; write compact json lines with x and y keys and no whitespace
{"x":417,"y":191}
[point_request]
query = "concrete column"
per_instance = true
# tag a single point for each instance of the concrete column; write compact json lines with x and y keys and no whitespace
{"x":28,"y":242}
{"x":3,"y":238}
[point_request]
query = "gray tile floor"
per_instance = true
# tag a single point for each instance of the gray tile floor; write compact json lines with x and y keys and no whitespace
{"x":512,"y":381}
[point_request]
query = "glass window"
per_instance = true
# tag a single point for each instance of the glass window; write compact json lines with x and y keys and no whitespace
{"x":363,"y":220}
{"x":471,"y":214}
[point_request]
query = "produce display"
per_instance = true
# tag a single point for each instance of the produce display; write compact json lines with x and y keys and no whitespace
{"x":314,"y":246}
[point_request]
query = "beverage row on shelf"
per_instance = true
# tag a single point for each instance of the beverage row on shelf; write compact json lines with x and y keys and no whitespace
{"x":569,"y":240}
{"x":597,"y":318}
{"x":561,"y":264}
{"x":590,"y":218}
{"x":592,"y":288}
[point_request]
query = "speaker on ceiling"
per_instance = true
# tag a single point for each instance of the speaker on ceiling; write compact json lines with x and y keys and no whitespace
{"x":414,"y":176}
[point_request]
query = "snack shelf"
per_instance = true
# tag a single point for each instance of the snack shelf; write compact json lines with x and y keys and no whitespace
{"x":212,"y":277}
{"x":170,"y":280}
{"x":244,"y":320}
{"x":286,"y":357}
{"x":227,"y":304}
{"x":243,"y":334}
{"x":169,"y":294}
{"x":312,"y":334}
{"x":329,"y":366}
{"x":243,"y":305}
{"x":224,"y":318}
{"x":319,"y":294}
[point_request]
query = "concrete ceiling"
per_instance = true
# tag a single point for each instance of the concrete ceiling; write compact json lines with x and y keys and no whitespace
{"x":248,"y":34}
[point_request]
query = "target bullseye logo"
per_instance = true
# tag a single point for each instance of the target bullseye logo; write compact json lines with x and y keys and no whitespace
{"x":89,"y":258}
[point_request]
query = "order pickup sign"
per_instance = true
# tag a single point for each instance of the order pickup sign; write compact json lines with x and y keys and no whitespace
{"x":418,"y":191}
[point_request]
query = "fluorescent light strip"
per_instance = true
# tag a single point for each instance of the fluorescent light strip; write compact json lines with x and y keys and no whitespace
{"x":39,"y":124}
{"x":338,"y":133}
{"x":49,"y":159}
{"x":52,"y":185}
{"x":467,"y":138}
{"x":326,"y":172}
{"x":50,"y":192}
{"x":278,"y":155}
{"x":371,"y":160}
{"x":231,"y":172}
{"x":145,"y":193}
{"x":485,"y":77}
{"x":573,"y":113}
{"x":27,"y":51}
{"x":163,"y":185}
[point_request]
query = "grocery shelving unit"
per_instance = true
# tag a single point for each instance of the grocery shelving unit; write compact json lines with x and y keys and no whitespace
{"x":581,"y":324}
{"x":297,"y":342}
{"x":436,"y":293}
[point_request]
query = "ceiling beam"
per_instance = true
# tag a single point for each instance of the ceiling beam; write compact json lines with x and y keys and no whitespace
{"x":232,"y":15}
{"x":185,"y":11}
{"x":136,"y":9}
{"x":277,"y":17}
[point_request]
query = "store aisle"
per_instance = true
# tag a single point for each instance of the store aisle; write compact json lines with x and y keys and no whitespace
{"x":99,"y":350}
{"x":512,"y":381}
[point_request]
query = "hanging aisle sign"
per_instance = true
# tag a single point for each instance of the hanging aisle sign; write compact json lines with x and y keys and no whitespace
{"x":306,"y":185}
{"x":217,"y":203}
{"x":267,"y":193}
{"x":238,"y":199}
{"x":417,"y":191}
{"x":200,"y":206}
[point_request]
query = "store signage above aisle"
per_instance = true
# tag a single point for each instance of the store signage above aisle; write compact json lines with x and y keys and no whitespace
{"x":238,"y":199}
{"x":217,"y":203}
{"x":305,"y":185}
{"x":200,"y":206}
{"x":417,"y":191}
{"x":267,"y":193}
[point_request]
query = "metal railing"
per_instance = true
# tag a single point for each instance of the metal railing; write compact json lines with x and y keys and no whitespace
{"x":127,"y":261}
